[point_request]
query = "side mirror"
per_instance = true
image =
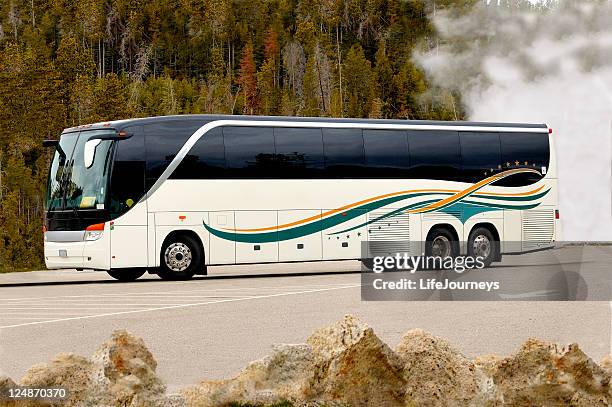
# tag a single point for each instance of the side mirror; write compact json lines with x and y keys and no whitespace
{"x":50,"y":143}
{"x":90,"y":152}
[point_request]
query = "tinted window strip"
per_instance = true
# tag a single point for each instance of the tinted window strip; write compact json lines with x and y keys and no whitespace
{"x":362,"y":172}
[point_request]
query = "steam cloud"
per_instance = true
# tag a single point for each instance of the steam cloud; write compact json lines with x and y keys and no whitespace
{"x":544,"y":63}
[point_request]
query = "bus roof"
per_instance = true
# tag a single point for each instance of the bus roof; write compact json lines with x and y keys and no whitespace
{"x":118,"y":125}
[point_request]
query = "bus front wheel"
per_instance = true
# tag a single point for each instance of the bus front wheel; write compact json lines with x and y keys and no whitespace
{"x":181,"y":257}
{"x":126,"y":274}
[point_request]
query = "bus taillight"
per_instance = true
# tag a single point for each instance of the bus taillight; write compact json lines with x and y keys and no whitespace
{"x":97,"y":226}
{"x":549,"y":130}
{"x":556,"y":213}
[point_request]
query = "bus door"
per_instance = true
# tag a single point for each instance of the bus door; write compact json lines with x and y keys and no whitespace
{"x":128,"y":226}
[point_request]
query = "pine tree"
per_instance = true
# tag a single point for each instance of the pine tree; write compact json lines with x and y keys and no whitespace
{"x":358,"y":74}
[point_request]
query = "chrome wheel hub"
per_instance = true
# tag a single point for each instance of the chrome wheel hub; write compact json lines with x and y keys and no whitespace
{"x":482,"y":246}
{"x":441,"y":247}
{"x":178,"y":256}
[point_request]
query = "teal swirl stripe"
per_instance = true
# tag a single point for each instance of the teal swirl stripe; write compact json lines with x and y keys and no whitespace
{"x":463,"y":208}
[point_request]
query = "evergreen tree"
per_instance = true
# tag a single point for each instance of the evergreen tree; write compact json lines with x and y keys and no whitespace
{"x":358,"y":73}
{"x":65,"y":63}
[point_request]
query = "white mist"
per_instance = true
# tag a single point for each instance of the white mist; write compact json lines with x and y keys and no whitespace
{"x":547,"y":65}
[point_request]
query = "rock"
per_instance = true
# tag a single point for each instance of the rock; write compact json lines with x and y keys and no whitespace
{"x":66,"y":370}
{"x":606,"y":364}
{"x":435,"y":372}
{"x":124,"y":370}
{"x":543,"y":373}
{"x":120,"y":373}
{"x":485,"y":368}
{"x":353,"y":366}
{"x":7,"y":383}
{"x":284,"y":375}
{"x":344,"y":364}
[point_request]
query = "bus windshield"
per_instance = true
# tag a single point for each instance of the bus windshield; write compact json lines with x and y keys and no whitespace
{"x":79,"y":172}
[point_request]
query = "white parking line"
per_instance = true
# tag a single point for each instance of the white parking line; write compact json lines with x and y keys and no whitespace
{"x":45,"y":314}
{"x":21,"y":318}
{"x":81,"y":308}
{"x":120,"y":298}
{"x":102,"y":301}
{"x":127,"y":294}
{"x":179,"y":306}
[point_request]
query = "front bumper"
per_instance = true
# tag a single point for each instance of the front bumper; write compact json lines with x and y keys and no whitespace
{"x":78,"y":254}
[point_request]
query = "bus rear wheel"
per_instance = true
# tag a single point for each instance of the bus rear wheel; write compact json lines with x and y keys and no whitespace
{"x":126,"y":274}
{"x":481,"y":243}
{"x":440,"y":244}
{"x":181,"y":258}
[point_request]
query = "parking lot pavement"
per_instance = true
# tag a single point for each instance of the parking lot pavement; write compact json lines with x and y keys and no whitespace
{"x":213,"y":326}
{"x":70,"y":295}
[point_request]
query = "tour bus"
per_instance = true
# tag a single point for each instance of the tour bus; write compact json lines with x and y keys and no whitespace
{"x":172,"y":195}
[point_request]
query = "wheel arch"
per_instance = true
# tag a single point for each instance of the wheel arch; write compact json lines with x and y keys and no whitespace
{"x":446,"y":226}
{"x":183,"y":232}
{"x":486,"y":225}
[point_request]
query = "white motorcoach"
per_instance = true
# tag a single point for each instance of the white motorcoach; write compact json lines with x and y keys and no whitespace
{"x":174,"y":194}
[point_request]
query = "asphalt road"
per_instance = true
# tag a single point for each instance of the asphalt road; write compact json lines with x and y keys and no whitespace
{"x":213,"y":326}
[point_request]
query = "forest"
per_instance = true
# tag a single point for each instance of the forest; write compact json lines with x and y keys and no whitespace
{"x":70,"y":62}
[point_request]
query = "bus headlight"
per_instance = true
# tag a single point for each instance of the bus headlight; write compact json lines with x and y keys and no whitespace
{"x":94,"y":232}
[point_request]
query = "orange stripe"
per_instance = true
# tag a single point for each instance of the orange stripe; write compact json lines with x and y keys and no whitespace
{"x":467,"y":191}
{"x":349,"y":206}
{"x":341,"y":209}
{"x":534,"y":191}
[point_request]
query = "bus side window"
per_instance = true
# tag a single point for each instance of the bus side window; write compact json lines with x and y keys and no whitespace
{"x":299,"y":152}
{"x":249,"y":152}
{"x":205,"y":160}
{"x":386,"y":153}
{"x":163,"y":141}
{"x":434,"y":154}
{"x":480,"y":155}
{"x":524,"y":150}
{"x":344,"y":156}
{"x":128,"y":176}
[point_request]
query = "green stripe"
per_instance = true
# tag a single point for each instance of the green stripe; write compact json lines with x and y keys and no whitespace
{"x":514,"y":198}
{"x":500,"y":206}
{"x":303,"y":230}
{"x":342,"y":217}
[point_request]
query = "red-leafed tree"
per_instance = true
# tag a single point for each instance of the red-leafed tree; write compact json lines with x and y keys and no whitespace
{"x":271,"y":45}
{"x":248,"y":81}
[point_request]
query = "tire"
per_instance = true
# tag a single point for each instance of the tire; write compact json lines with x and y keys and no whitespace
{"x":482,"y":243}
{"x":441,"y":243}
{"x":367,"y":265}
{"x":180,"y":258}
{"x":126,"y":274}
